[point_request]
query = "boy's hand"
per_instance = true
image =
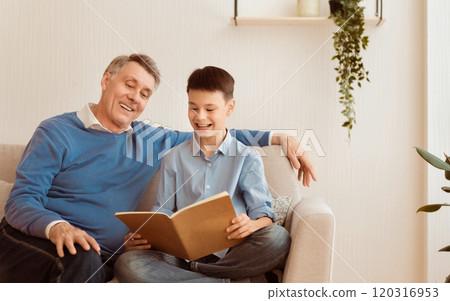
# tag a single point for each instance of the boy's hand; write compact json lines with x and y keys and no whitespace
{"x":135,"y":242}
{"x":242,"y":226}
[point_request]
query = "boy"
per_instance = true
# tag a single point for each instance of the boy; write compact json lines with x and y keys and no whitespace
{"x":211,"y":162}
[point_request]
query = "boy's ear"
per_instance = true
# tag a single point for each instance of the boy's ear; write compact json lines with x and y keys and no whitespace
{"x":230,"y":106}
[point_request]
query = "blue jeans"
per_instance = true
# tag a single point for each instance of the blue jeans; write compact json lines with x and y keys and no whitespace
{"x":261,"y":252}
{"x":26,"y":258}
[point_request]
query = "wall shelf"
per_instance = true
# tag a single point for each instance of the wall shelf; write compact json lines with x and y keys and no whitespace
{"x":294,"y":21}
{"x":301,"y":21}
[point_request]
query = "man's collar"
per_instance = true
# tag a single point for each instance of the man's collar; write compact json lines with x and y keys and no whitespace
{"x":91,"y":122}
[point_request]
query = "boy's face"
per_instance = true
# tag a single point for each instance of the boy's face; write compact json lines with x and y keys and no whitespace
{"x":208,"y":112}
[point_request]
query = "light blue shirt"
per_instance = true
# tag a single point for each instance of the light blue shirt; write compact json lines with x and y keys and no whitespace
{"x":188,"y":176}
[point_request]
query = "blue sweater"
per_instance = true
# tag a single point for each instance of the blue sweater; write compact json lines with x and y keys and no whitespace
{"x":84,"y":176}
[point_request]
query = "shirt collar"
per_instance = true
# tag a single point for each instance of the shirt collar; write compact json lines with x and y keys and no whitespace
{"x":223,"y":147}
{"x":91,"y":122}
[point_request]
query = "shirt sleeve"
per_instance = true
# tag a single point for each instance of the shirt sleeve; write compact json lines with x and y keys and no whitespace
{"x":252,"y":183}
{"x":252,"y":138}
{"x":166,"y":195}
{"x":39,"y":164}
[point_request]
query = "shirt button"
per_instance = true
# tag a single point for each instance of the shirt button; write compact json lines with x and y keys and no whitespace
{"x":209,"y":164}
{"x":208,"y":187}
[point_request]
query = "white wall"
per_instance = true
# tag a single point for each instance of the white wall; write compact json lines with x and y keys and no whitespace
{"x":438,"y":134}
{"x":53,"y":54}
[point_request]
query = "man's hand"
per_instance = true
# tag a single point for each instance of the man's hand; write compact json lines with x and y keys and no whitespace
{"x":64,"y":234}
{"x":297,"y":156}
{"x":135,"y":242}
{"x":242,"y":226}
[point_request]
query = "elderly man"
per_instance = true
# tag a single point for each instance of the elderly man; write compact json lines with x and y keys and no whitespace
{"x":77,"y":171}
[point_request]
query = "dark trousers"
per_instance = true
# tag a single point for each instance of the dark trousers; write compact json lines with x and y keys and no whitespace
{"x":26,"y":258}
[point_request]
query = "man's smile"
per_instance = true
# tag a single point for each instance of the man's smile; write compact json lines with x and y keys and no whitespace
{"x":126,"y":107}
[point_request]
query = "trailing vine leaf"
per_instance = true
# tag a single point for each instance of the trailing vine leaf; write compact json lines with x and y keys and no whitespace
{"x":431,"y":208}
{"x":348,"y":42}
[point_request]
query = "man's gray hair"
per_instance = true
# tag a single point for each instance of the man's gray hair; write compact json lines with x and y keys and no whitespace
{"x":144,"y":60}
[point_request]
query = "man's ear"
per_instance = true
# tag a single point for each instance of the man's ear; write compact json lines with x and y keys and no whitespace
{"x":105,"y":80}
{"x":230,"y":106}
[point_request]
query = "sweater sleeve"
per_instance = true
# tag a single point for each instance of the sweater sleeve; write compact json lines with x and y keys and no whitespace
{"x":39,"y":164}
{"x":151,"y":142}
{"x":247,"y":137}
{"x":251,"y":138}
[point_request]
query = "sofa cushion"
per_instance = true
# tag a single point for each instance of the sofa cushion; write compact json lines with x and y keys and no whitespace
{"x":280,"y":206}
{"x":5,"y":189}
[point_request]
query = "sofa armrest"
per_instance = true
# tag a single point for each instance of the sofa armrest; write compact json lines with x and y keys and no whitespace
{"x":312,"y":232}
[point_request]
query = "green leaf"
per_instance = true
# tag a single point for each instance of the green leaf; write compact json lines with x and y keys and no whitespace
{"x":431,"y":208}
{"x":447,"y":173}
{"x":433,"y":160}
{"x":445,"y":249}
{"x":446,"y":189}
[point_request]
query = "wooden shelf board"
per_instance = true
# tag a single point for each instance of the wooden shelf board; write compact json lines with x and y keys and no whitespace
{"x":294,"y":21}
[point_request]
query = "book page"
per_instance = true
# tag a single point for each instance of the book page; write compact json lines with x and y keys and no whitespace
{"x":203,"y":228}
{"x":157,"y":229}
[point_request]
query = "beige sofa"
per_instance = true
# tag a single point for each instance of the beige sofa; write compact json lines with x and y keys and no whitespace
{"x":310,"y":221}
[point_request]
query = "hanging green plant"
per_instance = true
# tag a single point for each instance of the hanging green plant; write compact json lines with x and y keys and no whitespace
{"x":348,"y":15}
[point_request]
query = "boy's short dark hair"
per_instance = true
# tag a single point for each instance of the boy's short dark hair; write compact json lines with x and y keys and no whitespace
{"x":212,"y":79}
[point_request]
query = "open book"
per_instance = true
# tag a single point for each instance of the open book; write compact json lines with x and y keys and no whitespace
{"x":195,"y":231}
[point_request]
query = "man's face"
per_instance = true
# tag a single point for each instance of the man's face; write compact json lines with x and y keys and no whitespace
{"x":124,"y":96}
{"x":208,"y":112}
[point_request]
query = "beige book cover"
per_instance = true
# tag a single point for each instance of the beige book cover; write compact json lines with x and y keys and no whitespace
{"x":195,"y":231}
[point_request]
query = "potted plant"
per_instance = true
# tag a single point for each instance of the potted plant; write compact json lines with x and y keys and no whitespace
{"x":348,"y":15}
{"x":438,"y":163}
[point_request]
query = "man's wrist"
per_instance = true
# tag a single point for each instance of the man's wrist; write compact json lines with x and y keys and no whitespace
{"x":278,"y":138}
{"x":270,"y":138}
{"x":49,"y":226}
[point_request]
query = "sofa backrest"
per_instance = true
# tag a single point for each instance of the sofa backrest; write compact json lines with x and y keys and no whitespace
{"x":9,"y":158}
{"x":280,"y":176}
